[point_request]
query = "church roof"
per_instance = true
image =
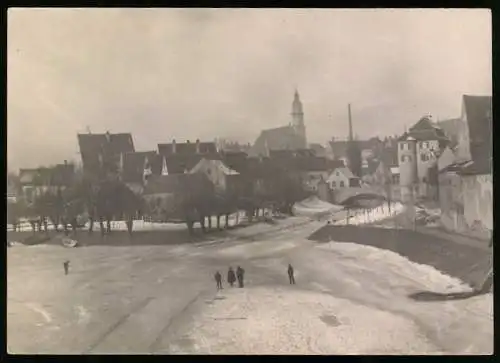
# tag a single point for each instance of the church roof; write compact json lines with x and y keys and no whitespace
{"x":280,"y":138}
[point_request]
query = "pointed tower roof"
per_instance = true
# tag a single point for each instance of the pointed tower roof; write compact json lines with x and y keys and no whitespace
{"x":296,"y":105}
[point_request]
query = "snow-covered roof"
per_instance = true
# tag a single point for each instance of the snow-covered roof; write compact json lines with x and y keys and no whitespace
{"x":395,"y":170}
{"x":224,"y":168}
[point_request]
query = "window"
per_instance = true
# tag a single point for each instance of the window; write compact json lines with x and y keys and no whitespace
{"x":341,"y":183}
{"x":423,"y":157}
{"x":402,"y":146}
{"x":333,"y":184}
{"x":403,"y":159}
{"x":424,"y":179}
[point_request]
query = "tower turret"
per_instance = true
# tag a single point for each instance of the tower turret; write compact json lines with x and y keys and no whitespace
{"x":298,"y":119}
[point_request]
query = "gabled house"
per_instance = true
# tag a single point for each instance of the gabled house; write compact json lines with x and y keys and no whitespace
{"x":101,"y":153}
{"x":34,"y":182}
{"x":182,"y":157}
{"x":136,"y":167}
{"x":343,"y":178}
{"x":224,"y":179}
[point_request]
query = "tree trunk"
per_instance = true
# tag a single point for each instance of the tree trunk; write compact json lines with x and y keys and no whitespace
{"x":227,"y":221}
{"x":209,"y":222}
{"x":108,"y":224}
{"x":91,"y":224}
{"x":130,"y":225}
{"x":33,"y":227}
{"x":237,"y":217}
{"x":190,"y":226}
{"x":218,"y":222}
{"x":101,"y":224}
{"x":202,"y":224}
{"x":74,"y":225}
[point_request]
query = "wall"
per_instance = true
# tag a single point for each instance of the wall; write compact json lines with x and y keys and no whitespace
{"x":408,"y":167}
{"x":478,"y":201}
{"x":447,"y":158}
{"x":426,"y":158}
{"x":335,"y":178}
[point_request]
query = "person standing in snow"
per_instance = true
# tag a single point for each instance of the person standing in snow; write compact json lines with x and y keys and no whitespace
{"x":290,"y":274}
{"x":240,"y":274}
{"x":231,"y":277}
{"x":218,"y":280}
{"x":66,"y":267}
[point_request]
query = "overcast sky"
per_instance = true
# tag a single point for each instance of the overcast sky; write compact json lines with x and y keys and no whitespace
{"x":202,"y":73}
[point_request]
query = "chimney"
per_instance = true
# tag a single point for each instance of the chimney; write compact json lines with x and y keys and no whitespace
{"x":198,"y":146}
{"x":174,"y":147}
{"x":65,"y":162}
{"x":108,"y":136}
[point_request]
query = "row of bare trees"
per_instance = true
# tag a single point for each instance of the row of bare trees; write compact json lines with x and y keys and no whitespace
{"x":109,"y":199}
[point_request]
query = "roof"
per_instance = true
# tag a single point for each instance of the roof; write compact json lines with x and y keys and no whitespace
{"x":478,"y":110}
{"x":455,"y":167}
{"x":394,"y":169}
{"x":187,"y":148}
{"x":346,"y":172}
{"x":111,"y":146}
{"x":424,"y":130}
{"x":58,"y":175}
{"x":281,"y":138}
{"x":134,"y":163}
{"x":176,"y":183}
{"x":480,"y":167}
{"x":218,"y":164}
{"x":450,"y":127}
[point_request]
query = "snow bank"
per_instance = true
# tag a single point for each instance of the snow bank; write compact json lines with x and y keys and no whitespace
{"x":376,"y":259}
{"x":373,"y":215}
{"x":313,"y":206}
{"x":288,"y":321}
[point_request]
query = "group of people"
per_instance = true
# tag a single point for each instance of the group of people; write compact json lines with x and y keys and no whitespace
{"x":231,"y":277}
{"x":240,"y":274}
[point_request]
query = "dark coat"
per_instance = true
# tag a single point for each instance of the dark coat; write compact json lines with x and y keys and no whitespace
{"x":231,"y":277}
{"x":240,"y":272}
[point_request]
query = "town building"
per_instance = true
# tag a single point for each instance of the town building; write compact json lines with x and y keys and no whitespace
{"x":225,"y":180}
{"x":181,"y":157}
{"x":466,"y":185}
{"x":35,"y":182}
{"x":137,"y":167}
{"x":418,"y":152}
{"x":343,"y":178}
{"x":101,"y":153}
{"x":290,"y":137}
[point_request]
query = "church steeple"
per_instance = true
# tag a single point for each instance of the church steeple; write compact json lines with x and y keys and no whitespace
{"x":298,"y":119}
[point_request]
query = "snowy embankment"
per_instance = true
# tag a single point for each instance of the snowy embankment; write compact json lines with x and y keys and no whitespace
{"x":314,"y":206}
{"x":349,"y":299}
{"x":372,"y":215}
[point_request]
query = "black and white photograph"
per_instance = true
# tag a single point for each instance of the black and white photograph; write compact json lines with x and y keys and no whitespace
{"x":249,"y":181}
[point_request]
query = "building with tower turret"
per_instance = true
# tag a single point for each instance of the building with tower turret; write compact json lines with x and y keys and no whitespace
{"x":290,"y":137}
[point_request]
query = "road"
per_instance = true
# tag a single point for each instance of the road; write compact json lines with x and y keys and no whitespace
{"x":162,"y":299}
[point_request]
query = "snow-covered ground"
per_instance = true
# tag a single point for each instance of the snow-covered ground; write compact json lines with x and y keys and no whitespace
{"x":372,"y":216}
{"x":313,"y":206}
{"x":141,"y":225}
{"x":349,"y":299}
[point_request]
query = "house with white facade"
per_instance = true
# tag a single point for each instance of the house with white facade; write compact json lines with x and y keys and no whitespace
{"x":342,"y":178}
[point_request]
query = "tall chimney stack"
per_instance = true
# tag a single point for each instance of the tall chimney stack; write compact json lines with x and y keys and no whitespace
{"x":174,"y":147}
{"x":350,"y":122}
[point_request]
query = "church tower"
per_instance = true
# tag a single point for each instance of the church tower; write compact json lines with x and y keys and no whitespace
{"x":298,"y":120}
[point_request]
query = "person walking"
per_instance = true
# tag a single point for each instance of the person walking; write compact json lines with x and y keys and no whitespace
{"x":231,"y":277}
{"x":66,"y":267}
{"x":240,"y":274}
{"x":218,"y":280}
{"x":290,"y":274}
